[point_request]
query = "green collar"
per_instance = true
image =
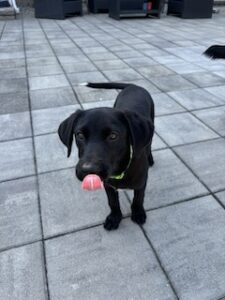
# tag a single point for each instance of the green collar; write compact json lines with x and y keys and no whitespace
{"x":119,"y":177}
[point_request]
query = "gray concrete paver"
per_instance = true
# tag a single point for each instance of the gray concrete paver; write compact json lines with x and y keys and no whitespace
{"x":189,"y":239}
{"x":170,"y":181}
{"x":22,"y":274}
{"x":48,"y":120}
{"x":14,"y":102}
{"x":183,"y":128}
{"x":56,"y":155}
{"x":214,"y":117}
{"x":15,"y":126}
{"x":196,"y":99}
{"x":207,"y":160}
{"x":50,"y":98}
{"x":221,"y":196}
{"x":16,"y":159}
{"x":19,"y":214}
{"x":97,"y":265}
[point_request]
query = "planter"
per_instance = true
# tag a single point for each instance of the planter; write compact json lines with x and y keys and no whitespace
{"x":125,"y":8}
{"x":57,"y":9}
{"x":96,"y":6}
{"x":190,"y":9}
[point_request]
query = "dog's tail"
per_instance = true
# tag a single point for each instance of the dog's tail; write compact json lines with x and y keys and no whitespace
{"x":107,"y":85}
{"x":215,"y":52}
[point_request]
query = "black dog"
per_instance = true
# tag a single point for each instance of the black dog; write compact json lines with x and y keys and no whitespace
{"x":215,"y":52}
{"x":115,"y":144}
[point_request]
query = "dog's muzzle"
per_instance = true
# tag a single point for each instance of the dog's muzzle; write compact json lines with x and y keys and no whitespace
{"x":85,"y":168}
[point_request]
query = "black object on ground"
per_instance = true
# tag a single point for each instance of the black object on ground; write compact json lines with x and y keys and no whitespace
{"x":57,"y":9}
{"x":126,"y":8}
{"x":190,"y":9}
{"x":96,"y":6}
{"x":4,"y":4}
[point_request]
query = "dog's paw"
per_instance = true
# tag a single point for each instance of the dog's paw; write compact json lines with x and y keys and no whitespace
{"x":112,"y":221}
{"x":138,"y":216}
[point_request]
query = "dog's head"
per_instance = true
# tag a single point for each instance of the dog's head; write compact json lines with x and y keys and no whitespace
{"x":103,"y":137}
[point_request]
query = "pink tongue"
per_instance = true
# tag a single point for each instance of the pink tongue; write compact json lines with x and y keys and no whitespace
{"x":92,"y":182}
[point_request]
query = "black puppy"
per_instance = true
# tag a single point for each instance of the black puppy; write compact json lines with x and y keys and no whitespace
{"x":115,"y":144}
{"x":215,"y":51}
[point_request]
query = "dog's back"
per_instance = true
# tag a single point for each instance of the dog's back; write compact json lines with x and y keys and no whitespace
{"x":137,"y":98}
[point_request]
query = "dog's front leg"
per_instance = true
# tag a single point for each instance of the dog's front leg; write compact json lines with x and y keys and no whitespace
{"x":114,"y":218}
{"x":138,"y":214}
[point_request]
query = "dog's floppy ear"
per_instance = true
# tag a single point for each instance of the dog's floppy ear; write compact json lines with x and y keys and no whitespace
{"x":141,"y":130}
{"x":66,"y":128}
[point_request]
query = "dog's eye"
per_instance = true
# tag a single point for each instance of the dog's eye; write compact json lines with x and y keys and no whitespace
{"x":80,"y":136}
{"x":113,"y":136}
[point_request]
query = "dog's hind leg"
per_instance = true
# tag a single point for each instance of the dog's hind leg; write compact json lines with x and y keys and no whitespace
{"x":150,"y":157}
{"x":114,"y":218}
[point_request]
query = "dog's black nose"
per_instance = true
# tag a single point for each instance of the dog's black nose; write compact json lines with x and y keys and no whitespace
{"x":88,"y":167}
{"x":85,"y":168}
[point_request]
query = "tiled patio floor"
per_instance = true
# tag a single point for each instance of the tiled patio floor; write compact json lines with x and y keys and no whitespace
{"x":52,"y":242}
